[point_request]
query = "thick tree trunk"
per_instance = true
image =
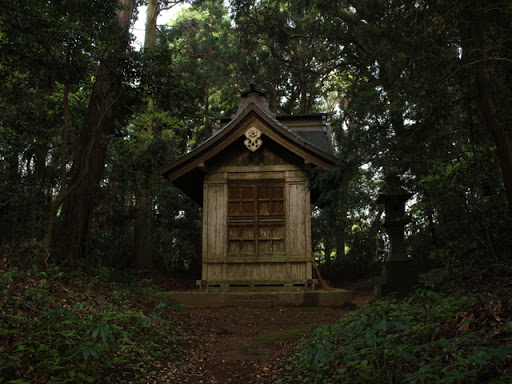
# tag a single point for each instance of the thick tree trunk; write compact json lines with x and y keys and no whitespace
{"x":150,"y":30}
{"x":87,"y":166}
{"x":503,"y":147}
{"x":89,"y":159}
{"x":143,"y":236}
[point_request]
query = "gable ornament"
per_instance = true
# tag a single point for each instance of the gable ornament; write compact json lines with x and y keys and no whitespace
{"x":253,"y":141}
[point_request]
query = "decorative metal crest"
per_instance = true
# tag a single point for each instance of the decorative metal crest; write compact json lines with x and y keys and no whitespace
{"x":253,"y":141}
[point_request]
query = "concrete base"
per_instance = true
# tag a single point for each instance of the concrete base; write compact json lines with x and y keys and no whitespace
{"x":256,"y":286}
{"x":336,"y":298}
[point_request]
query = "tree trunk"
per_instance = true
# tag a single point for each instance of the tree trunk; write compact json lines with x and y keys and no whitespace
{"x":63,"y":191}
{"x":340,"y":237}
{"x":206,"y":121}
{"x":492,"y":124}
{"x":150,"y":30}
{"x":274,"y":73}
{"x":89,"y":159}
{"x":143,"y":243}
{"x":303,"y":92}
{"x":327,"y":252}
{"x":143,"y":236}
{"x":321,"y":282}
{"x":342,"y":213}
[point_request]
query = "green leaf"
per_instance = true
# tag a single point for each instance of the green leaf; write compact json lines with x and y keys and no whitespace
{"x":88,"y":352}
{"x":94,"y":333}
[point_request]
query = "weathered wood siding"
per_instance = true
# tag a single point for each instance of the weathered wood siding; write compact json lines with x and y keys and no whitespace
{"x":250,"y":272}
{"x":270,"y":165}
{"x":298,"y":241}
{"x":214,"y":221}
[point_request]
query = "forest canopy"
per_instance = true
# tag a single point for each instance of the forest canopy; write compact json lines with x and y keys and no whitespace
{"x":417,"y":89}
{"x":93,"y":238}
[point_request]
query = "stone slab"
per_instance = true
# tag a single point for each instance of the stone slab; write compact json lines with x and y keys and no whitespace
{"x":335,"y":298}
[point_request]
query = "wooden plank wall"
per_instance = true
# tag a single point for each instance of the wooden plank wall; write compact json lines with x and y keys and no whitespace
{"x":215,"y":222}
{"x":296,"y":263}
{"x":247,"y":272}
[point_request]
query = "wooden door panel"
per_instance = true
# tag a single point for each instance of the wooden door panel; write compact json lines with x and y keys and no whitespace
{"x":248,"y":208}
{"x":278,"y":207}
{"x":278,"y":246}
{"x":256,"y":219}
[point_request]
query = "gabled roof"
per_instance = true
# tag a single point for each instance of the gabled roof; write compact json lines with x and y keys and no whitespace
{"x":186,"y":173}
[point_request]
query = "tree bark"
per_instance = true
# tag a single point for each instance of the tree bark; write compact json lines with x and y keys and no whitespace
{"x":89,"y":158}
{"x":143,"y":233}
{"x":63,"y":191}
{"x":143,"y":242}
{"x":321,"y":282}
{"x":303,"y":91}
{"x":274,"y":73}
{"x":56,"y":203}
{"x":150,"y":29}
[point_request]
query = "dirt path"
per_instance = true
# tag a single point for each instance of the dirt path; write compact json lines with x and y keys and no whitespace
{"x":241,"y":345}
{"x":247,"y":345}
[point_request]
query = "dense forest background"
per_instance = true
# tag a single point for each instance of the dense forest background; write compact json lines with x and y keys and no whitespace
{"x":420,"y":97}
{"x":419,"y":89}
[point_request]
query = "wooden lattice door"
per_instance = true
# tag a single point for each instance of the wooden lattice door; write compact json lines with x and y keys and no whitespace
{"x":256,"y":219}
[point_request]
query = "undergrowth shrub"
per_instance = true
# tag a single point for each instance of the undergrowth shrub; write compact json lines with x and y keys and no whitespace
{"x":71,"y":327}
{"x":426,"y":338}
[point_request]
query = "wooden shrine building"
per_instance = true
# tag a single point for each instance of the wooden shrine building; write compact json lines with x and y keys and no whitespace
{"x":249,"y":178}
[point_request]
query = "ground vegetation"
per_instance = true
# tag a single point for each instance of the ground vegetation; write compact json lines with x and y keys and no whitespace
{"x":418,"y":92}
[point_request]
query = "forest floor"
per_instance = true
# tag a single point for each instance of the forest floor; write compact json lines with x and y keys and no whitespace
{"x":252,"y":345}
{"x":95,"y":325}
{"x":71,"y":326}
{"x":240,"y":345}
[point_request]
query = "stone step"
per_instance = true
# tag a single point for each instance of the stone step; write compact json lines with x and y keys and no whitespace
{"x":335,"y":298}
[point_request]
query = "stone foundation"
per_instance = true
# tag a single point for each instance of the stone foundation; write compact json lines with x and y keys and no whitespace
{"x":336,"y":298}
